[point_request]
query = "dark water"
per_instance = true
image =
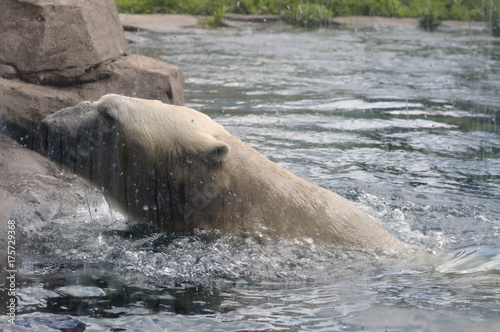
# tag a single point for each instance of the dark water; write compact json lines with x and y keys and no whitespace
{"x":403,"y":122}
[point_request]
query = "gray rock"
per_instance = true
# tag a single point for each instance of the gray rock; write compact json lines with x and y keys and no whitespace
{"x":33,"y":189}
{"x":59,"y":42}
{"x":24,"y":105}
{"x":142,"y":77}
{"x":55,"y":54}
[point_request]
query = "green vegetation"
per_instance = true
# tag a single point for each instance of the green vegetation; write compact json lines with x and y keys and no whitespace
{"x":316,"y":13}
{"x":216,"y":19}
{"x":306,"y":15}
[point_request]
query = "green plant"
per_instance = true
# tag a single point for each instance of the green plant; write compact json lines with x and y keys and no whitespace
{"x":217,"y":19}
{"x":306,"y":15}
{"x":394,"y":5}
{"x":430,"y":21}
{"x":431,"y":14}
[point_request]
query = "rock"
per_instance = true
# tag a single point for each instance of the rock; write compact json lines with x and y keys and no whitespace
{"x":136,"y":75}
{"x":60,"y":42}
{"x":56,"y":54}
{"x":32,"y":189}
{"x":42,"y":185}
{"x":24,"y":105}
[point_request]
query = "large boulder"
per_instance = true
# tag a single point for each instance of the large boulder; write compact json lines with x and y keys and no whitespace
{"x":59,"y":42}
{"x":55,"y":54}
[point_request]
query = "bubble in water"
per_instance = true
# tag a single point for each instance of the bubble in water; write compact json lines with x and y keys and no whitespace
{"x":145,"y":207}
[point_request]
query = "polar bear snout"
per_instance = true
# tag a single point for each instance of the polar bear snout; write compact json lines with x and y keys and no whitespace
{"x":69,"y":136}
{"x":50,"y":140}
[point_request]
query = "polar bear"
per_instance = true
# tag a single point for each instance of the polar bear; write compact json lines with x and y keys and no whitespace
{"x":175,"y":168}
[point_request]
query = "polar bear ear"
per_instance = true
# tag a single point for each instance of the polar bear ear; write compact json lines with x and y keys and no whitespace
{"x":212,"y":150}
{"x":108,"y":112}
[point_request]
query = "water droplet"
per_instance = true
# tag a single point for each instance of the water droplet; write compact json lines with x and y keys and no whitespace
{"x":145,"y":207}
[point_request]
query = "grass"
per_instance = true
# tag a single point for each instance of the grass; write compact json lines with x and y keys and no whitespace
{"x":316,"y":13}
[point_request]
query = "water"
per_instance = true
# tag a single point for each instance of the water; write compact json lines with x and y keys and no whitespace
{"x":400,"y":121}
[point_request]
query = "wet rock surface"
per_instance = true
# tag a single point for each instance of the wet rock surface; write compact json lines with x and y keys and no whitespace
{"x":32,"y":189}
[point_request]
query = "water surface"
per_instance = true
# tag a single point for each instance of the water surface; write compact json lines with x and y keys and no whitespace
{"x":401,"y":121}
